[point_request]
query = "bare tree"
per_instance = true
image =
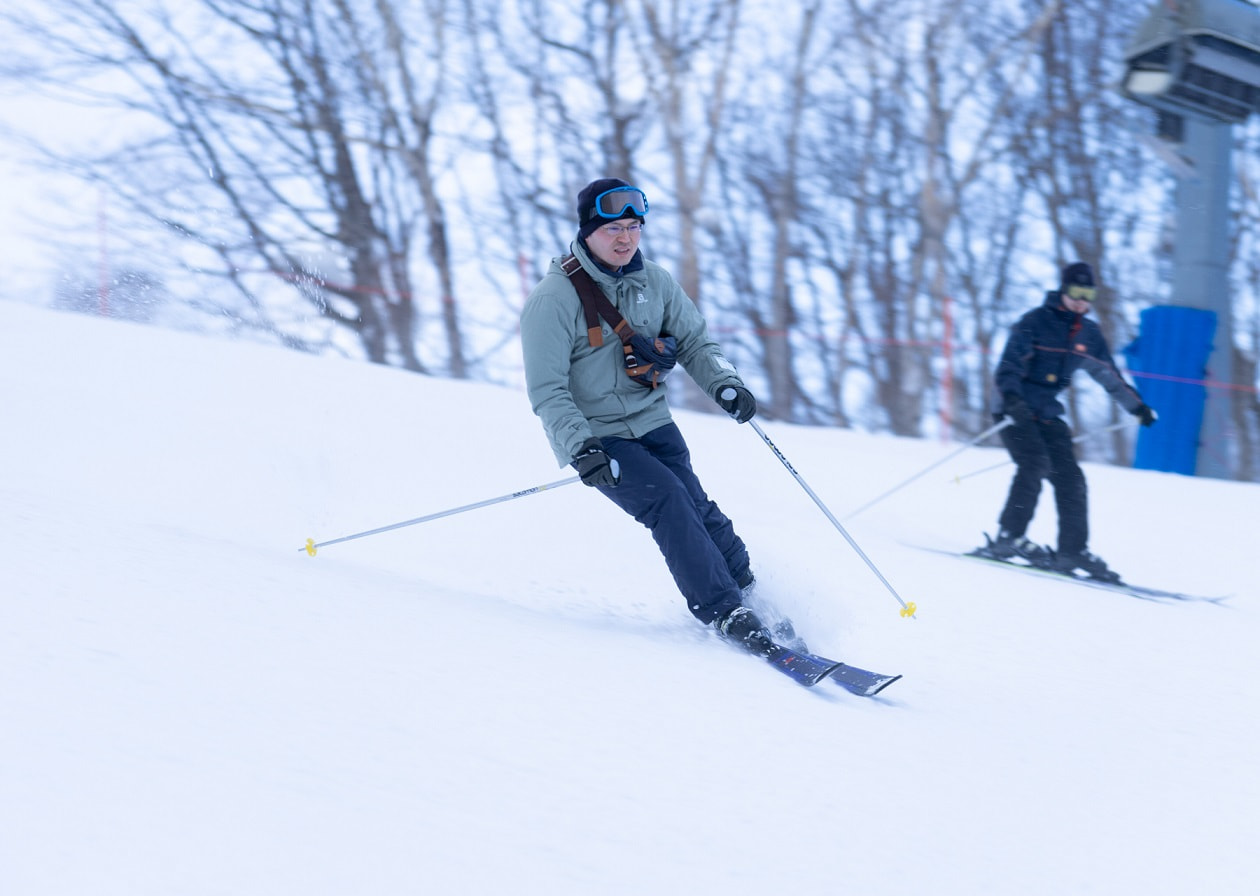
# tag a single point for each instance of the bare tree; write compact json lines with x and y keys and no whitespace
{"x":561,"y":97}
{"x":282,"y":136}
{"x":1246,"y":266}
{"x":864,"y":194}
{"x":906,"y":141}
{"x":1082,"y":159}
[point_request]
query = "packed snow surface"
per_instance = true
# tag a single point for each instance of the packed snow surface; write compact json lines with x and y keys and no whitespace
{"x":514,"y":700}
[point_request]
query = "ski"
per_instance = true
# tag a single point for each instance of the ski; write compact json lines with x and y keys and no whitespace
{"x":803,"y":668}
{"x":794,"y":659}
{"x":1142,"y":592}
{"x":861,"y":682}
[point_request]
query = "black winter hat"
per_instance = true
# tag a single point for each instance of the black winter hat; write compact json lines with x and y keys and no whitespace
{"x":1076,"y":274}
{"x":588,"y":222}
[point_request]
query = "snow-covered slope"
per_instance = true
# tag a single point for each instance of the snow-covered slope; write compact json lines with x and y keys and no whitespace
{"x":514,"y":700}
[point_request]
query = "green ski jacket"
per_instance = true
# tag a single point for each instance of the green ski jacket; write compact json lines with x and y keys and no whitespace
{"x":579,"y":391}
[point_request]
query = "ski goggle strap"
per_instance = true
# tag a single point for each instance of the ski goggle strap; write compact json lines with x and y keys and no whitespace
{"x":615,"y":203}
{"x":1087,"y":293}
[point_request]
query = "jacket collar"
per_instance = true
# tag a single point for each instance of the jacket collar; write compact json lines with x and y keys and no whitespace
{"x":634,"y":264}
{"x":1054,"y":302}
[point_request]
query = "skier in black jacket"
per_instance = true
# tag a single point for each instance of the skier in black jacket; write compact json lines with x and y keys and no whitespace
{"x":1046,"y":346}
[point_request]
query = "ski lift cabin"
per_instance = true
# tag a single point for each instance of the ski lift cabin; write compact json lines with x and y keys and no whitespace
{"x":1197,"y":56}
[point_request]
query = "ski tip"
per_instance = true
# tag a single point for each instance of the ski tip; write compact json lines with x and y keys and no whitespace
{"x":860,"y":682}
{"x":875,"y":689}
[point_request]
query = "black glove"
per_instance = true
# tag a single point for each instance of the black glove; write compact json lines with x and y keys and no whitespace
{"x":1146,"y":416}
{"x":738,"y":402}
{"x":1016,"y":408}
{"x":594,"y":466}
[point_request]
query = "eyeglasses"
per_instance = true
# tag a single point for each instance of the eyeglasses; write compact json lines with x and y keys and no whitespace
{"x":614,"y":203}
{"x":1082,"y":293}
{"x":615,"y":230}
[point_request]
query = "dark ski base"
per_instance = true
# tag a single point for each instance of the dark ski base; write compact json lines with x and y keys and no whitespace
{"x":808,"y":669}
{"x":1139,"y":591}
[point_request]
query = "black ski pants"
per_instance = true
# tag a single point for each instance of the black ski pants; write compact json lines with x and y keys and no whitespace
{"x":1043,"y":449}
{"x":660,"y":490}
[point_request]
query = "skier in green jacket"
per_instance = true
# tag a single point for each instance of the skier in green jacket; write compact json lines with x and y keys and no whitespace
{"x":617,"y":431}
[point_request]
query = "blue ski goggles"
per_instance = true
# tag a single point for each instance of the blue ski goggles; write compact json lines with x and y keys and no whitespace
{"x":618,"y":202}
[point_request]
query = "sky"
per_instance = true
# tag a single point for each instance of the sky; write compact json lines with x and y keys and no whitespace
{"x":514,"y":699}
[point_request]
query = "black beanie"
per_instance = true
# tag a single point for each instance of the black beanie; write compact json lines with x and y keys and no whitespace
{"x":588,"y":221}
{"x":1076,"y":274}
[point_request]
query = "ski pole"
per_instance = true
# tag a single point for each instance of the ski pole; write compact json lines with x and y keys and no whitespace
{"x":1082,"y":437}
{"x":907,"y":609}
{"x":1000,"y":425}
{"x":311,"y":545}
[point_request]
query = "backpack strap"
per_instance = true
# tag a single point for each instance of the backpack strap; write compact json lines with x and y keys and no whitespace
{"x":595,"y":304}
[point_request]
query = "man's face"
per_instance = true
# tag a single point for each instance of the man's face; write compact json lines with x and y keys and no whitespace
{"x":615,"y":243}
{"x":1079,"y":299}
{"x":1077,"y":306}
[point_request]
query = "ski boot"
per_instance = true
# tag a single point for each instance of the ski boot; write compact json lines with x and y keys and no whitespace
{"x":742,"y":626}
{"x":1090,"y":564}
{"x":1007,"y":546}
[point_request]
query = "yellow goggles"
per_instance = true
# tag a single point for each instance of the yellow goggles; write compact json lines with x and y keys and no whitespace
{"x":1082,"y":293}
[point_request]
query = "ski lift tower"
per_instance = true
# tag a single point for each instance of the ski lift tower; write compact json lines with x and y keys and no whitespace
{"x":1197,"y":63}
